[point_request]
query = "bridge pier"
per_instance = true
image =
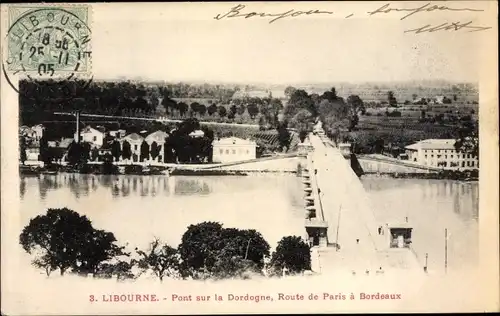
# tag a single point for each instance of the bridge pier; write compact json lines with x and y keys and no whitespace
{"x":315,"y":224}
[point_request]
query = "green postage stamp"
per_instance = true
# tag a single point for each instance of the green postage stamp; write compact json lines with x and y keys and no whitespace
{"x":48,"y":41}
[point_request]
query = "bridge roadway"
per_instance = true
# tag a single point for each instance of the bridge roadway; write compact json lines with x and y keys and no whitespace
{"x":347,"y":210}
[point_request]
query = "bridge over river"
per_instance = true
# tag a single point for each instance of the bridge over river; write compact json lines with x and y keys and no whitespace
{"x":354,"y":240}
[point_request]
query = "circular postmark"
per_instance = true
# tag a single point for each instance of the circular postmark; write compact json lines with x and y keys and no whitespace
{"x":49,"y":43}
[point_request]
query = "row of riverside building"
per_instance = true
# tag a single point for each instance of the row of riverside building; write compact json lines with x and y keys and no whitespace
{"x":440,"y":153}
{"x":227,"y":149}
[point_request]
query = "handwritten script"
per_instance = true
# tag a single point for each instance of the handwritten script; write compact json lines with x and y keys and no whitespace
{"x":235,"y":12}
{"x":455,"y":26}
{"x":425,"y":8}
{"x":238,"y":11}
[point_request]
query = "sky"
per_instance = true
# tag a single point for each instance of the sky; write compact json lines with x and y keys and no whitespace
{"x":183,"y":42}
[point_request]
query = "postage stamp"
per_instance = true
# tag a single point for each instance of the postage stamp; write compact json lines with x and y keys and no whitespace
{"x":49,"y":42}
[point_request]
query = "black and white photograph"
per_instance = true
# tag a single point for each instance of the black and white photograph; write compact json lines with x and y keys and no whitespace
{"x":279,"y":157}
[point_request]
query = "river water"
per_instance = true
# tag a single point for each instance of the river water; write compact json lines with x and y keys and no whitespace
{"x":138,"y":208}
{"x":431,"y":207}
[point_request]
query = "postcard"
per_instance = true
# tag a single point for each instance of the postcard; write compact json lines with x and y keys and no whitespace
{"x":249,"y":157}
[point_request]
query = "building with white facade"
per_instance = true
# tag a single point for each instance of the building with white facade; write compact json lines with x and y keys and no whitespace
{"x":440,"y":153}
{"x":233,"y":149}
{"x":135,"y":140}
{"x":159,"y":137}
{"x":92,"y":136}
{"x":34,"y":133}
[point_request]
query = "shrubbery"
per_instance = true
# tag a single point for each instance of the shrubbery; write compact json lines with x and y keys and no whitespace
{"x":63,"y":240}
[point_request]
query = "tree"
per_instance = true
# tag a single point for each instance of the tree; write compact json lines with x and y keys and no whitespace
{"x":63,"y":239}
{"x":74,"y":153}
{"x":241,"y":109}
{"x":202,"y":109}
{"x":302,"y":135}
{"x":99,"y":247}
{"x":208,"y":250}
{"x":44,"y":151}
{"x":422,"y":114}
{"x":391,"y":99}
{"x":222,"y":111}
{"x":22,"y":149}
{"x":197,"y":247}
{"x":275,"y":107}
{"x":263,"y":125}
{"x":253,"y":110}
{"x":122,"y":269}
{"x":334,"y":114}
{"x":116,"y":150}
{"x":300,"y":100}
{"x":155,"y":150}
{"x":302,"y":121}
{"x":94,"y":154}
{"x":126,"y":150}
{"x":160,"y":258}
{"x":212,"y":109}
{"x":292,"y":253}
{"x":183,"y":108}
{"x":195,"y":106}
{"x":85,"y":151}
{"x":356,"y":104}
{"x":330,"y":95}
{"x":284,"y":137}
{"x":166,"y":101}
{"x":467,"y":138}
{"x":144,"y":151}
{"x":446,"y":100}
{"x":233,"y":109}
{"x":289,"y":91}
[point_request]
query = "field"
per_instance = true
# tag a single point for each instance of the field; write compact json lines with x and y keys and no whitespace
{"x":397,"y":131}
{"x":416,"y":110}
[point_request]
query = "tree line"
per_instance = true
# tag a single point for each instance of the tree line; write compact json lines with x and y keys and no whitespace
{"x":336,"y":113}
{"x":65,"y":241}
{"x":39,"y":98}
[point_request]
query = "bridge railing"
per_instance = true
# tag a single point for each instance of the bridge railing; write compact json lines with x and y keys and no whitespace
{"x":315,"y":192}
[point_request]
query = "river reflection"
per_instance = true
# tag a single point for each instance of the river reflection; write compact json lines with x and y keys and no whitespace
{"x":431,"y":206}
{"x":137,"y":207}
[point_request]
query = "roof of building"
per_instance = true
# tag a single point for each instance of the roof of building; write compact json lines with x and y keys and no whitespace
{"x":400,"y":225}
{"x":197,"y":133}
{"x":133,"y":137}
{"x":90,"y":129}
{"x":433,"y":144}
{"x":234,"y":141}
{"x":158,"y":136}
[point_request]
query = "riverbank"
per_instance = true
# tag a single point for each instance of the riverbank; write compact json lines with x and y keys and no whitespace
{"x":472,"y":175}
{"x":177,"y":170}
